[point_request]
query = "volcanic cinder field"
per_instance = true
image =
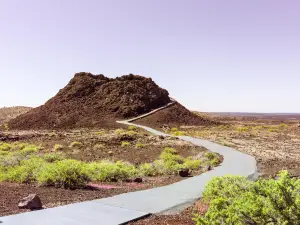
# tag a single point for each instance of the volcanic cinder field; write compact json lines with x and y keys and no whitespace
{"x":75,"y":132}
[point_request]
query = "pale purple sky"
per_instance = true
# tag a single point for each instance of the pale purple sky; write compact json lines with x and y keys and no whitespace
{"x":211,"y":55}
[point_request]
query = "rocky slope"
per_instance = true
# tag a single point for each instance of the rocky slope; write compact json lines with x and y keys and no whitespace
{"x":174,"y":116}
{"x":95,"y":101}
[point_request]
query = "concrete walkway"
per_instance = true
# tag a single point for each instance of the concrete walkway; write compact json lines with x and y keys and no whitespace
{"x":123,"y":208}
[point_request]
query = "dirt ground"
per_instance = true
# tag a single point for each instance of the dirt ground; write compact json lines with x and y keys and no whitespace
{"x":141,"y":146}
{"x":11,"y":193}
{"x":94,"y":145}
{"x":184,"y":218}
{"x":275,"y":145}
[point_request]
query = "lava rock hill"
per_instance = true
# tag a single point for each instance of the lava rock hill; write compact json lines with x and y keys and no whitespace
{"x":96,"y":101}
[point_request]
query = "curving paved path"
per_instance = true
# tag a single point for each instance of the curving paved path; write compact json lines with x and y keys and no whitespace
{"x":123,"y":208}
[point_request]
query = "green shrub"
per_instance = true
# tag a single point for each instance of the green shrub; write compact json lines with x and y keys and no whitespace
{"x":68,"y":173}
{"x":258,"y":127}
{"x":76,"y":144}
{"x":192,"y":164}
{"x":2,"y":173}
{"x":26,"y":172}
{"x":125,"y":144}
{"x":11,"y":159}
{"x":5,"y":146}
{"x":178,"y":133}
{"x":170,"y":162}
{"x":210,"y":155}
{"x":282,"y":126}
{"x":53,"y":157}
{"x":148,"y":169}
{"x":3,"y":153}
{"x":167,"y":167}
{"x":131,"y":133}
{"x":58,"y":147}
{"x":100,"y":133}
{"x":213,"y":158}
{"x":237,"y":201}
{"x":243,"y":129}
{"x":273,"y":129}
{"x":170,"y":150}
{"x":140,"y":145}
{"x":6,"y":127}
{"x":174,"y":129}
{"x":168,"y":156}
{"x":109,"y":171}
{"x":30,"y":149}
{"x":131,"y":127}
{"x":119,"y":131}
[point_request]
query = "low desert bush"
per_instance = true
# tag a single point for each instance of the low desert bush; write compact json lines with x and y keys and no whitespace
{"x":192,"y":164}
{"x":131,"y":127}
{"x":6,"y":127}
{"x":53,"y":157}
{"x":110,"y":171}
{"x":258,"y":127}
{"x":100,"y":133}
{"x":213,"y":159}
{"x":58,"y":147}
{"x":174,"y":129}
{"x":125,"y":144}
{"x":243,"y":129}
{"x":119,"y":131}
{"x":170,"y":150}
{"x":170,"y":154}
{"x":21,"y":148}
{"x":148,"y":169}
{"x":5,"y":146}
{"x":169,"y":161}
{"x":68,"y":173}
{"x":3,"y":153}
{"x":140,"y":145}
{"x":283,"y":126}
{"x":273,"y":129}
{"x":178,"y":133}
{"x":30,"y":149}
{"x":131,"y":133}
{"x":26,"y":172}
{"x":234,"y":200}
{"x":76,"y":144}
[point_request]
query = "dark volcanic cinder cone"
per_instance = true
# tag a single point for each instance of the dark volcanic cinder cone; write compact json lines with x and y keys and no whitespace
{"x":174,"y":116}
{"x":95,"y":101}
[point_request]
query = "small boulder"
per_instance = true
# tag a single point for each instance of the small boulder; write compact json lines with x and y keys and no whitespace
{"x":184,"y":172}
{"x":32,"y":202}
{"x":138,"y":180}
{"x":110,"y":153}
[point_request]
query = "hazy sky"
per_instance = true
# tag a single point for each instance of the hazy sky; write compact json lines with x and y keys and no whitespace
{"x":226,"y":55}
